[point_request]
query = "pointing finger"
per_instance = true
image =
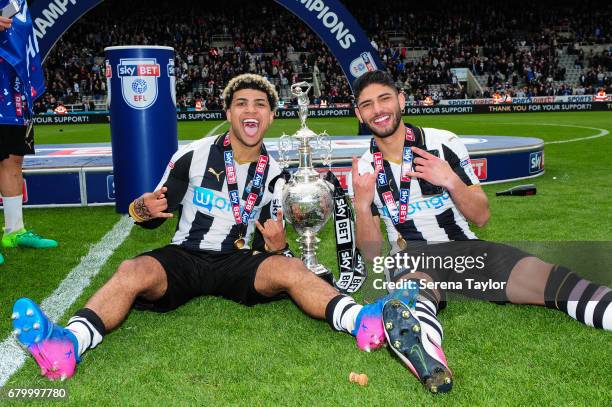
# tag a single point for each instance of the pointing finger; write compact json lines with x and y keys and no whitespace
{"x":355,"y":168}
{"x":260,"y":227}
{"x":423,"y":153}
{"x":414,"y":174}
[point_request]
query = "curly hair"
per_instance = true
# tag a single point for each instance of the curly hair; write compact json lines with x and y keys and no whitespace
{"x":250,"y":81}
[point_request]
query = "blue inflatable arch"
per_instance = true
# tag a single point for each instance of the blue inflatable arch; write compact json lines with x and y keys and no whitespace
{"x":329,"y":19}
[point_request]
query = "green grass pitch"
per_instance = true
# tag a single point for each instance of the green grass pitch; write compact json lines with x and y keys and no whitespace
{"x":215,"y":352}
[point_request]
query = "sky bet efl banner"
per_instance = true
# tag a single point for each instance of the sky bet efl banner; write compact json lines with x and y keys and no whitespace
{"x":329,"y":19}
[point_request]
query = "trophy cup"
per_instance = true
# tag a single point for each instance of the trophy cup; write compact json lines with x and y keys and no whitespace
{"x":307,"y":199}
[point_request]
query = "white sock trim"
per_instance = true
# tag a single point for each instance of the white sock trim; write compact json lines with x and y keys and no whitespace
{"x":13,"y":213}
{"x":429,"y":321}
{"x":87,"y":335}
{"x":345,"y":314}
{"x":429,"y":305}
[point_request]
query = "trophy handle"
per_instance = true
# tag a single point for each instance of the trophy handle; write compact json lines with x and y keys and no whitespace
{"x":324,"y":143}
{"x":285,"y":145}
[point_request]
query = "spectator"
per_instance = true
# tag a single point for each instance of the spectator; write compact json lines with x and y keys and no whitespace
{"x":22,"y":86}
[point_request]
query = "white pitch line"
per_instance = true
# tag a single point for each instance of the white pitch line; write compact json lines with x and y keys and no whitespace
{"x":12,"y":356}
{"x":214,"y":129}
{"x":602,"y":132}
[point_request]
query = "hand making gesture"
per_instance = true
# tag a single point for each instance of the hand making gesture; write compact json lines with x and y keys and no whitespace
{"x":364,"y":186}
{"x":273,"y":232}
{"x":151,"y":205}
{"x":432,"y":169}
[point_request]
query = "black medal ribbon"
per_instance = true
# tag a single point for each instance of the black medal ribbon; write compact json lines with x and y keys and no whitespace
{"x":386,"y":188}
{"x":257,"y":185}
{"x":352,"y":270}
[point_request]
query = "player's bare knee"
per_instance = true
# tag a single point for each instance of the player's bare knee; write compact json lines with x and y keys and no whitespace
{"x":285,"y":272}
{"x":532,"y":264}
{"x":295,"y":274}
{"x":12,"y":164}
{"x":137,"y":275}
{"x":124,"y":276}
{"x":296,"y":271}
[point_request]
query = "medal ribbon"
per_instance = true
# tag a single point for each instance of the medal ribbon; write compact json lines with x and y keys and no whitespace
{"x":383,"y":180}
{"x":242,"y":215}
{"x":352,"y":270}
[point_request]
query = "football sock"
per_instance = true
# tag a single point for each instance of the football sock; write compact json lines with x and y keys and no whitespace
{"x":341,"y":313}
{"x":426,"y":311}
{"x":88,"y":328}
{"x":13,"y":214}
{"x":581,"y":299}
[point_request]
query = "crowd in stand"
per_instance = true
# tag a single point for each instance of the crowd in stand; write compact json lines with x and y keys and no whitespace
{"x":515,"y":47}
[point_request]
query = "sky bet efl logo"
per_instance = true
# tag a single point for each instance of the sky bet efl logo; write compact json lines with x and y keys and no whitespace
{"x":536,"y":162}
{"x":362,"y":64}
{"x":139,"y":81}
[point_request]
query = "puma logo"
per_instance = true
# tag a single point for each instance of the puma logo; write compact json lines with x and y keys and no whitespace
{"x":212,"y":171}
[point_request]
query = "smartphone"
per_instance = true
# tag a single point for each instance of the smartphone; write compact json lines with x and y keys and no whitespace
{"x":427,"y":188}
{"x":10,"y":9}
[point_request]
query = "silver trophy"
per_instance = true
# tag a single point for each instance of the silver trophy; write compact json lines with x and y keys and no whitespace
{"x":307,"y":199}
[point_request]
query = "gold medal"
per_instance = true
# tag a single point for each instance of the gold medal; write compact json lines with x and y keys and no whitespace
{"x":401,"y":243}
{"x":239,"y":243}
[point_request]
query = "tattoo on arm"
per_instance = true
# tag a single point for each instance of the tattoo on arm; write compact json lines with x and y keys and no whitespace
{"x":141,"y":209}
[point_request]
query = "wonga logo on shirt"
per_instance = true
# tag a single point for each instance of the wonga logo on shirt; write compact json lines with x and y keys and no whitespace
{"x":213,"y":200}
{"x":208,"y":199}
{"x":433,"y":202}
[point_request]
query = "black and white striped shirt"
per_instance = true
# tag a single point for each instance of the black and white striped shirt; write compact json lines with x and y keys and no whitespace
{"x":434,"y":218}
{"x":195,"y":178}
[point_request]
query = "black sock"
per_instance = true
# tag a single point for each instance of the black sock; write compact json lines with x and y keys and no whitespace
{"x":341,"y":313}
{"x":581,"y":299}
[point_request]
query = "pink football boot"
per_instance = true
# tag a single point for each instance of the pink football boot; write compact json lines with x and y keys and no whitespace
{"x":53,"y":347}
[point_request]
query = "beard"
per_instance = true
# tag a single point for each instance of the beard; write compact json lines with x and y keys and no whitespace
{"x":397,"y":115}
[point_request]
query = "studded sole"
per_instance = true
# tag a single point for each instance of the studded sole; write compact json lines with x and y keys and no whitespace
{"x":30,"y":325}
{"x":403,"y":332}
